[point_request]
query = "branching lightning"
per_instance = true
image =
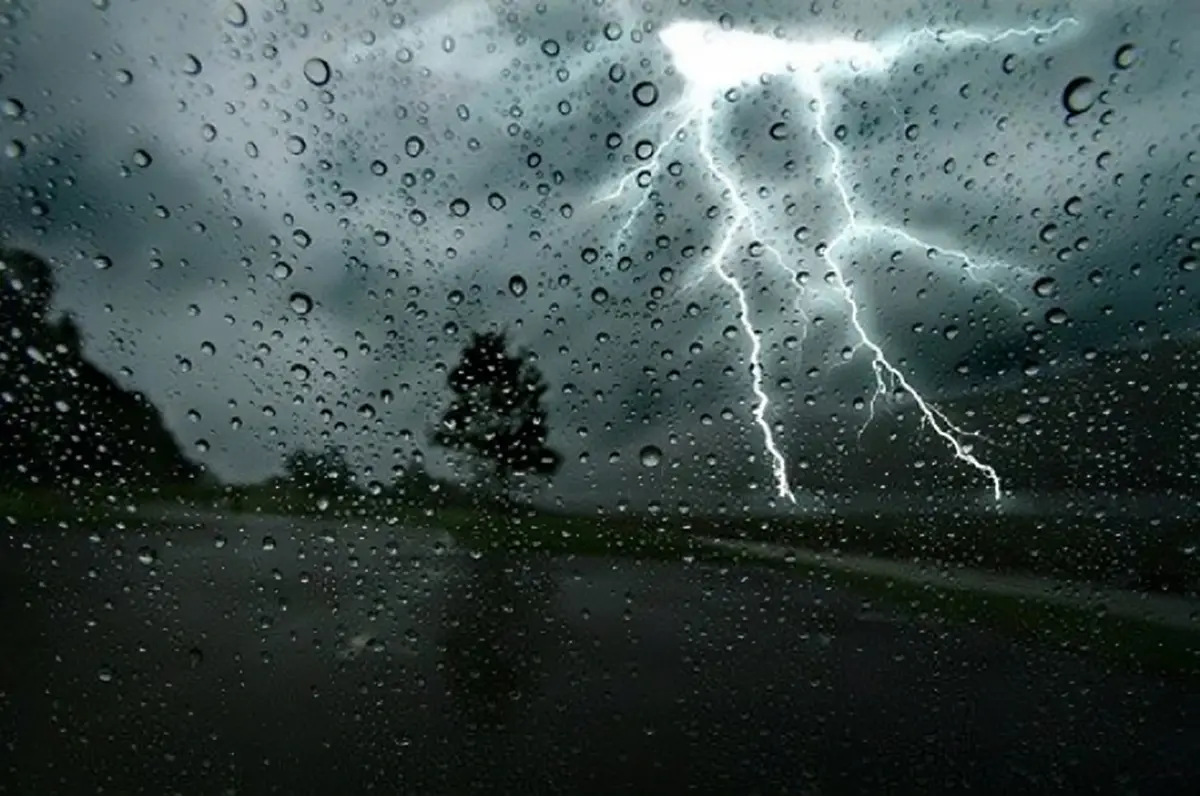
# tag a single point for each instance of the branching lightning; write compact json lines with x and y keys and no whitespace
{"x":712,"y":61}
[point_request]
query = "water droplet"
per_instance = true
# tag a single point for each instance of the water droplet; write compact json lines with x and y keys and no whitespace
{"x":1048,"y":233}
{"x":651,"y":456}
{"x":1057,"y":316}
{"x":912,"y":132}
{"x":300,"y":372}
{"x":644,"y":149}
{"x":281,"y":271}
{"x":195,"y":657}
{"x":105,"y":674}
{"x":102,"y":262}
{"x":300,"y":303}
{"x":550,"y":47}
{"x":316,"y":70}
{"x":296,"y":145}
{"x":778,"y":131}
{"x":146,"y":556}
{"x":1045,"y":287}
{"x":1126,"y":56}
{"x":14,"y":149}
{"x":1073,"y":207}
{"x":517,"y":286}
{"x":236,"y":15}
{"x":192,"y":65}
{"x":378,"y":168}
{"x":1079,"y":95}
{"x":459,"y":207}
{"x":599,"y":295}
{"x":13,"y":108}
{"x":645,"y":93}
{"x":496,"y":201}
{"x":1189,"y":264}
{"x":268,"y":543}
{"x":414,"y":146}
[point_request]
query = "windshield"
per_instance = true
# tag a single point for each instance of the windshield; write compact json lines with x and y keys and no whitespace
{"x":604,"y":396}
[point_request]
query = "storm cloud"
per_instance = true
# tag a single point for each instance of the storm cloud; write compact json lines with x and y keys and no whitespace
{"x":281,"y":221}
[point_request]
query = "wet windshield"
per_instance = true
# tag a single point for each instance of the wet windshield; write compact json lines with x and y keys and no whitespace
{"x":599,"y":396}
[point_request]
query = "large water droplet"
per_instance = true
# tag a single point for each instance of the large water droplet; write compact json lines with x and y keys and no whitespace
{"x":317,"y":71}
{"x":1079,"y":95}
{"x":192,"y":65}
{"x":1045,"y":287}
{"x":645,"y":93}
{"x":236,"y":15}
{"x":517,"y":286}
{"x":651,"y":456}
{"x":414,"y":146}
{"x":1057,"y":316}
{"x":300,"y":303}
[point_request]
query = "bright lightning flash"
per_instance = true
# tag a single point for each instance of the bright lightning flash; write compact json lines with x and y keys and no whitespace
{"x":712,"y":61}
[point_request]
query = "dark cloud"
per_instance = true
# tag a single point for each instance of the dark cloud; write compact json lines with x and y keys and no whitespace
{"x":455,"y":147}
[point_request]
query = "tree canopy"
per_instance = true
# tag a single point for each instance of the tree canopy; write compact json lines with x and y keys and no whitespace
{"x":496,"y":415}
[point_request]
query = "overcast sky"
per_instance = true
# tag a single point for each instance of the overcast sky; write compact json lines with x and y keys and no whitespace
{"x":200,"y":173}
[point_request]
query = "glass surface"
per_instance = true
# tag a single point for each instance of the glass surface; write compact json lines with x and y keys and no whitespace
{"x":599,"y":396}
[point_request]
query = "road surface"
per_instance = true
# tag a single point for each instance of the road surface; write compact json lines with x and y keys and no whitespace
{"x":280,"y":656}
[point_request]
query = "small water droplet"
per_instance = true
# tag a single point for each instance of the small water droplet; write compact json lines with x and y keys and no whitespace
{"x":296,"y":145}
{"x":599,"y":296}
{"x":13,"y":108}
{"x":496,"y":201}
{"x":550,"y":47}
{"x":146,"y":556}
{"x":517,"y":286}
{"x":414,"y":146}
{"x":459,"y":207}
{"x":1126,"y":56}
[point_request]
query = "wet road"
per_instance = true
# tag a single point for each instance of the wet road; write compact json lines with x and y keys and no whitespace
{"x":270,"y":656}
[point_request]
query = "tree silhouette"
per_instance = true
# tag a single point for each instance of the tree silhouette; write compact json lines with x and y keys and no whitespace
{"x":496,"y":415}
{"x":63,"y":421}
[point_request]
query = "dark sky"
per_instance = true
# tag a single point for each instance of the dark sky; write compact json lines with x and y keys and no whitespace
{"x":417,"y":170}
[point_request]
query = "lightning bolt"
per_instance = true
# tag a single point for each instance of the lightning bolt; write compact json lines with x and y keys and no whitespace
{"x":712,"y":61}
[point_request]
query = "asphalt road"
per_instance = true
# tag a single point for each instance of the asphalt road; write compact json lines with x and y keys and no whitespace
{"x":270,"y":656}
